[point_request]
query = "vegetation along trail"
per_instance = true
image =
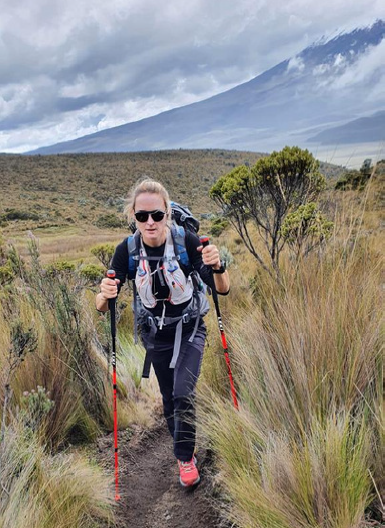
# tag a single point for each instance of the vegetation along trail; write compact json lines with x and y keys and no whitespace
{"x":151,"y":496}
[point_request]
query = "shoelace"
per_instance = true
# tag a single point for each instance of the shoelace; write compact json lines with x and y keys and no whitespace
{"x":188,"y":466}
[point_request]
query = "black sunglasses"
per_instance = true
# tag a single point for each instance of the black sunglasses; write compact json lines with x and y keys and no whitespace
{"x":142,"y":216}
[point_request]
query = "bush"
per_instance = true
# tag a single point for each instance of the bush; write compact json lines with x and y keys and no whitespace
{"x":104,"y":253}
{"x":60,"y":267}
{"x":5,"y":274}
{"x":351,"y":180}
{"x":91,"y":273}
{"x":354,"y":179}
{"x":306,"y":228}
{"x":261,"y":197}
{"x":35,"y":406}
{"x":226,"y":256}
{"x":109,"y":221}
{"x":13,"y":214}
{"x":218,"y":225}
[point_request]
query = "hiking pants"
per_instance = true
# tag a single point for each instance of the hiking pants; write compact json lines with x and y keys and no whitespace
{"x":177,"y":387}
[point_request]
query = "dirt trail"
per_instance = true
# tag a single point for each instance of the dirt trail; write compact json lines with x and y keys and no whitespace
{"x":151,"y":496}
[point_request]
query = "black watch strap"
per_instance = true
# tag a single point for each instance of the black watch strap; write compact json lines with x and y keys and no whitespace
{"x":220,"y":270}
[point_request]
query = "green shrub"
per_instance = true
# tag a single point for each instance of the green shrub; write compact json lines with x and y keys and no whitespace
{"x":109,"y":221}
{"x":35,"y":406}
{"x":91,"y":273}
{"x":13,"y":214}
{"x":218,"y":225}
{"x":60,"y":267}
{"x":104,"y":253}
{"x":355,"y":179}
{"x":306,"y":228}
{"x":5,"y":274}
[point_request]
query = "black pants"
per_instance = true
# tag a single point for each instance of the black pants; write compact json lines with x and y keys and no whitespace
{"x":177,"y":387}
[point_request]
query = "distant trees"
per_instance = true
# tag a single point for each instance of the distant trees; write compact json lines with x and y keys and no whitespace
{"x":261,"y":198}
{"x":356,"y":179}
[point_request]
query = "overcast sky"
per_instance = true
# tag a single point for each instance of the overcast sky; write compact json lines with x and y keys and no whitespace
{"x":74,"y":67}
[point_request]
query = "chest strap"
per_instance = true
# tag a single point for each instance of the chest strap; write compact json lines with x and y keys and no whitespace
{"x":155,"y":322}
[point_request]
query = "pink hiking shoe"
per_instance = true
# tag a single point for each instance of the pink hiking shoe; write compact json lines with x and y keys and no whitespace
{"x":188,"y":473}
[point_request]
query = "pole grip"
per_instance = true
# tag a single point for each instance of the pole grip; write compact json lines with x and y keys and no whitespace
{"x":112,"y":304}
{"x":205,"y":241}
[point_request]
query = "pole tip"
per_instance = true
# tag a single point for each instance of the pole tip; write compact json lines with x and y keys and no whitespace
{"x":117,"y":498}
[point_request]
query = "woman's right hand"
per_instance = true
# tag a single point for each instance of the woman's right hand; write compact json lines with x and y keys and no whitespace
{"x":109,"y":288}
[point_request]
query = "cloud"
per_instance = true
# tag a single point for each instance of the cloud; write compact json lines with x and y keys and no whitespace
{"x":368,"y":68}
{"x":105,"y":63}
{"x":296,"y":63}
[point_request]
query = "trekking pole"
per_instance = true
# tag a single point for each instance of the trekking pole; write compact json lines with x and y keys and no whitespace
{"x":112,"y":305}
{"x":205,"y":242}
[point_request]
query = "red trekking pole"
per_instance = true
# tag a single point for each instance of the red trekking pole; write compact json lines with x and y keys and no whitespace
{"x":112,"y":305}
{"x":205,"y":242}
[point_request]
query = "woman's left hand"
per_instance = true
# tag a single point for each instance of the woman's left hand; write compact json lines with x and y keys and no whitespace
{"x":210,"y":256}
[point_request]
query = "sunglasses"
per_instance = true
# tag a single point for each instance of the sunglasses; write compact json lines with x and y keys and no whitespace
{"x":142,"y":216}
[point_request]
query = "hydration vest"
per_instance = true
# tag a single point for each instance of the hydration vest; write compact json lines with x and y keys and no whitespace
{"x":169,"y":273}
{"x":175,"y":270}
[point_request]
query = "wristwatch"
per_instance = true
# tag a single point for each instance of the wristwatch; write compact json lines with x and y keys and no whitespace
{"x":222,"y":269}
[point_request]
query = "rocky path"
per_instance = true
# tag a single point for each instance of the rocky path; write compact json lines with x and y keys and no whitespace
{"x":151,"y":496}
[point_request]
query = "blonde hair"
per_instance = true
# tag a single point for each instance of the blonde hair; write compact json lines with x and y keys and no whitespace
{"x":147,"y":185}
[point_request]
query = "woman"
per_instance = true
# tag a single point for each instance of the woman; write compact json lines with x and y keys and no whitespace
{"x":165,"y":300}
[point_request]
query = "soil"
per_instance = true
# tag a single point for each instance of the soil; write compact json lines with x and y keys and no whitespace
{"x":150,"y":493}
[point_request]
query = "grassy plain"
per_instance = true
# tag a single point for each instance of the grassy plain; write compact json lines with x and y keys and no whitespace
{"x":64,"y":199}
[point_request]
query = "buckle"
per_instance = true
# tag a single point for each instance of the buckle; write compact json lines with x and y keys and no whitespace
{"x":186,"y":318}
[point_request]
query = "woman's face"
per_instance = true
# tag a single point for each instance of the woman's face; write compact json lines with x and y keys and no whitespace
{"x":153,"y":233}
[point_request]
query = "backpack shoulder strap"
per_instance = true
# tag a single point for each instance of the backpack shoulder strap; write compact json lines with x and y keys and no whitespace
{"x":133,"y":242}
{"x":179,"y":239}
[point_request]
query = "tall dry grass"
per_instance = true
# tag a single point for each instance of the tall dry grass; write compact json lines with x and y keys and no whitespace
{"x":44,"y":491}
{"x":304,"y":450}
{"x":69,"y":365}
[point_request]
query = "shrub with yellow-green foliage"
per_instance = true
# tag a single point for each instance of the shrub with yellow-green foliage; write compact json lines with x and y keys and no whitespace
{"x":61,"y":266}
{"x":91,"y":273}
{"x":306,"y":228}
{"x":260,"y":198}
{"x":218,"y":225}
{"x":5,"y":274}
{"x":104,"y":253}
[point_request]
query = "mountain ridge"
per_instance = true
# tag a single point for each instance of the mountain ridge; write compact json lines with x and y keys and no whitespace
{"x":297,"y":94}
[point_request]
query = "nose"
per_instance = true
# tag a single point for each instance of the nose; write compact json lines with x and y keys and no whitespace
{"x":150,"y":220}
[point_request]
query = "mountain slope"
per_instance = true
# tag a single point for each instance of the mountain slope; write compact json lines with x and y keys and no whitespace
{"x":326,"y":84}
{"x":364,"y":129}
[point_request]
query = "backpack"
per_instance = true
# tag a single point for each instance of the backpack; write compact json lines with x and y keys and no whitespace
{"x":182,"y":216}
